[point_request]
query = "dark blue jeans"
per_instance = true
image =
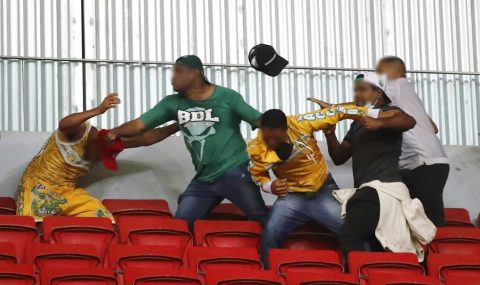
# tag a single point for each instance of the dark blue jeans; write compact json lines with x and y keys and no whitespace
{"x":235,"y":185}
{"x":295,"y":210}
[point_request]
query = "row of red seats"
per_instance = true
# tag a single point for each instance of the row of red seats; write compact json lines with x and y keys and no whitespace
{"x":147,"y":230}
{"x":455,"y":217}
{"x":294,"y":266}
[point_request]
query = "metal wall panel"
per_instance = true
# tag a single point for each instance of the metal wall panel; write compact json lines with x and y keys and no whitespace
{"x":139,"y":39}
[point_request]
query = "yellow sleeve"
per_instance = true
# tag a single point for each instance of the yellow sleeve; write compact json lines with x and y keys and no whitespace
{"x":258,"y":168}
{"x":323,"y":118}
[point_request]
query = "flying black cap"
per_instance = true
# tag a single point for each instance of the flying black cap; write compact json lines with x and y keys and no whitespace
{"x":265,"y":59}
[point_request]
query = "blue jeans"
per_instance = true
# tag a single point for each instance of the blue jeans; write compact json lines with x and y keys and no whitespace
{"x":295,"y":210}
{"x":235,"y":185}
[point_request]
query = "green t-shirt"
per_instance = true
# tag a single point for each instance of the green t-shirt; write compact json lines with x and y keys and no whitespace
{"x":211,"y":128}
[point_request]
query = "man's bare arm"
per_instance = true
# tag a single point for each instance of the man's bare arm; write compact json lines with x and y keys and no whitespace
{"x":401,"y":121}
{"x":129,"y":129}
{"x":74,"y":125}
{"x":150,"y":137}
{"x":339,"y":152}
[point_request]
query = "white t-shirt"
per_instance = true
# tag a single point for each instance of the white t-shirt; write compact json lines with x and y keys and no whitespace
{"x":420,"y":144}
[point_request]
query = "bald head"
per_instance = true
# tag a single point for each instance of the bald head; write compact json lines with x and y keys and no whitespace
{"x":392,"y":66}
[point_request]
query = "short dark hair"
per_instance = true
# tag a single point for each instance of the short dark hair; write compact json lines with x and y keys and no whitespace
{"x":273,"y":119}
{"x":395,"y":60}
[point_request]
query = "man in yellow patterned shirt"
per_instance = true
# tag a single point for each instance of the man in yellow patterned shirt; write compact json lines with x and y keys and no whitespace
{"x":48,"y":185}
{"x":287,"y":146}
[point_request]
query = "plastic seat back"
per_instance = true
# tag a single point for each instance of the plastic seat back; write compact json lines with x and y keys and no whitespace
{"x":450,"y":266}
{"x":395,"y":279}
{"x":123,"y":257}
{"x":227,"y":233}
{"x":161,"y":277}
{"x":7,"y":253}
{"x":7,"y":206}
{"x":73,"y":230}
{"x":363,"y":264}
{"x":19,"y":231}
{"x":226,"y":212}
{"x":455,"y":240}
{"x":56,"y":256}
{"x":203,"y":259}
{"x":78,"y":277}
{"x":304,"y":278}
{"x":155,"y":231}
{"x":17,"y":274}
{"x":285,"y":261}
{"x":457,"y":217}
{"x":311,"y":237}
{"x":242,"y":276}
{"x":137,"y":207}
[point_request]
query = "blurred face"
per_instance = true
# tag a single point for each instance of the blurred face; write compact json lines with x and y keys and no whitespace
{"x":183,"y":77}
{"x":273,"y":138}
{"x":387,"y":69}
{"x":365,"y":93}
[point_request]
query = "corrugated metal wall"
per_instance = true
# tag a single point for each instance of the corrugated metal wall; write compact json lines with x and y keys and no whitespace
{"x":325,"y":41}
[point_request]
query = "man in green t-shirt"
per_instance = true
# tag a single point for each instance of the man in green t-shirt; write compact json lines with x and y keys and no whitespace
{"x":209,"y":117}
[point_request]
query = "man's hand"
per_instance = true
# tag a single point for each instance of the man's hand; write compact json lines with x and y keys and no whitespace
{"x":280,"y":187}
{"x":111,"y":101}
{"x":330,"y":130}
{"x":322,"y":104}
{"x":110,"y":137}
{"x":370,"y":123}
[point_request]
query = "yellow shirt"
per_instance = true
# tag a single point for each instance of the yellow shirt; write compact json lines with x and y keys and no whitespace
{"x":305,"y":169}
{"x":59,"y":163}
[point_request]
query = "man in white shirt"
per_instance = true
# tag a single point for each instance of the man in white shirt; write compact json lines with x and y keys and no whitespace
{"x":423,"y":163}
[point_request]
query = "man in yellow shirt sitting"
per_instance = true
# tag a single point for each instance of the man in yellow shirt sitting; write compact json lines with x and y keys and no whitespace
{"x":287,"y":146}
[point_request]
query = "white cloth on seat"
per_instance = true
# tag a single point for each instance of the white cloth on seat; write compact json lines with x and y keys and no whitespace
{"x":403,"y":225}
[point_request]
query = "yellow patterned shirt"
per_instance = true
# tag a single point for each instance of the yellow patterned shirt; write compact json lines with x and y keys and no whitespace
{"x":59,"y":163}
{"x":305,"y":169}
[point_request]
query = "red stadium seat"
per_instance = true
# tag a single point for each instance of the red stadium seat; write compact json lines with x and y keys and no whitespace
{"x":55,"y":256}
{"x":73,"y":230}
{"x":450,"y":266}
{"x":98,"y":276}
{"x":463,"y":280}
{"x":311,"y":236}
{"x":303,"y":278}
{"x":363,"y":264}
{"x":139,"y":207}
{"x":202,"y":259}
{"x":7,"y":206}
{"x":161,"y":277}
{"x":457,"y":217}
{"x":456,"y":240}
{"x":17,"y":274}
{"x":155,"y":231}
{"x":239,"y":276}
{"x":395,"y":279}
{"x":7,"y":253}
{"x":19,"y":231}
{"x":227,"y":233}
{"x":226,"y":211}
{"x":123,"y":257}
{"x":285,"y":261}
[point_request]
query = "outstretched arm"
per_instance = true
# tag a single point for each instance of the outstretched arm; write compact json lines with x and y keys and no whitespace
{"x":401,"y":121}
{"x":339,"y":152}
{"x":150,"y":137}
{"x":130,"y":129}
{"x":73,"y":126}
